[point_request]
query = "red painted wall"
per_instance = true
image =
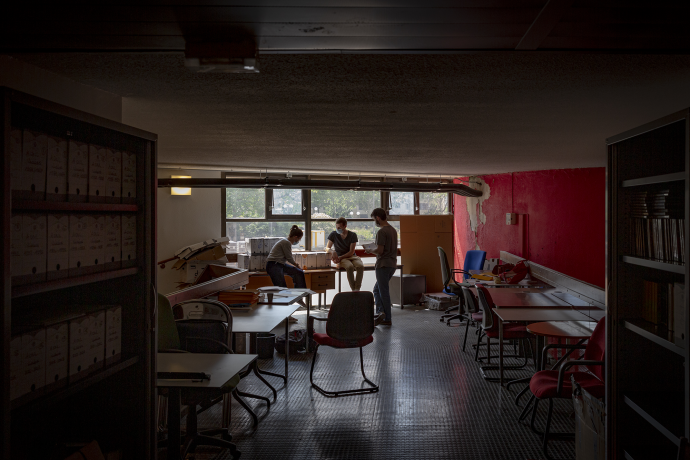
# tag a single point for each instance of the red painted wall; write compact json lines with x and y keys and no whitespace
{"x":561,"y":219}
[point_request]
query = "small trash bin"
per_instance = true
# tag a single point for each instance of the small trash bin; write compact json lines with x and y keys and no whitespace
{"x":265,"y":342}
{"x":590,"y":423}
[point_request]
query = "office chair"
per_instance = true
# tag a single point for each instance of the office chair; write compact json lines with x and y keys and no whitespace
{"x":474,"y":260}
{"x":350,"y":324}
{"x":472,"y":314}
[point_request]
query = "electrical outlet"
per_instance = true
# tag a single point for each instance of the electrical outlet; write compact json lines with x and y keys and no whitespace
{"x":511,"y":218}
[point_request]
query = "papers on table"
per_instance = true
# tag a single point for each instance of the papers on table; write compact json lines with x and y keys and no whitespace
{"x":294,"y":292}
{"x":271,"y":288}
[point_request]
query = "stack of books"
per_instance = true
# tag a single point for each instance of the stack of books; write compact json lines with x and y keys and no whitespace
{"x":239,"y":299}
{"x":663,"y":305}
{"x":658,"y":225}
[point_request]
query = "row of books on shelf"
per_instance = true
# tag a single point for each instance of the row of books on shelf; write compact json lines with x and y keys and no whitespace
{"x":658,"y":239}
{"x":664,"y":306}
{"x":53,"y":246}
{"x":45,"y":167}
{"x":49,"y":353}
{"x":665,"y":203}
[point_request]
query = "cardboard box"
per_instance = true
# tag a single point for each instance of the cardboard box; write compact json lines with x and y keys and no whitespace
{"x":262,"y":263}
{"x":129,"y":177}
{"x":129,"y":240}
{"x":243,"y":261}
{"x":312,"y":260}
{"x":95,"y":345}
{"x":113,"y":176}
{"x":16,"y":248}
{"x":78,"y":347}
{"x":57,"y":355}
{"x":77,"y":172}
{"x":269,"y":243}
{"x":78,"y":248}
{"x":195,"y":268}
{"x":112,"y":240}
{"x":96,"y":242}
{"x":254,"y":245}
{"x":218,"y":271}
{"x":17,"y":386}
{"x":97,"y":165}
{"x":323,"y":260}
{"x":214,"y":253}
{"x":113,"y":334}
{"x":34,"y":248}
{"x":56,"y":174}
{"x":255,"y":263}
{"x":58,"y":246}
{"x":16,"y":161}
{"x":590,"y":426}
{"x":34,"y":362}
{"x":34,"y":157}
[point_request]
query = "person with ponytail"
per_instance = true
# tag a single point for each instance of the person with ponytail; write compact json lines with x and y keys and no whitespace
{"x":280,"y":262}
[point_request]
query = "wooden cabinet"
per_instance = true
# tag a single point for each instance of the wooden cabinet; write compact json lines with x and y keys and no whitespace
{"x":648,"y":384}
{"x":112,"y":403}
{"x":420,"y":236}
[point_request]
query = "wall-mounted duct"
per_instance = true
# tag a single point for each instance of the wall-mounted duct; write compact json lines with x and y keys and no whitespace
{"x":316,"y":184}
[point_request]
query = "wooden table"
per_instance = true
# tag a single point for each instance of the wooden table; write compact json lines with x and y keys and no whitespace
{"x":369,"y":268}
{"x":558,"y":330}
{"x":537,"y":315}
{"x":221,"y":368}
{"x":506,"y":298}
{"x":534,"y":284}
{"x":317,"y":279}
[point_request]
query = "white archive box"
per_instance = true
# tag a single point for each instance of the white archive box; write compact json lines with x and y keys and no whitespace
{"x":58,"y":246}
{"x":113,"y":334}
{"x":78,"y":340}
{"x":312,"y":260}
{"x":255,"y":263}
{"x":113,"y":176}
{"x":95,"y":344}
{"x":56,"y":168}
{"x":263,"y":262}
{"x":254,"y":245}
{"x":77,"y":171}
{"x":33,"y":185}
{"x":323,"y":260}
{"x":34,"y":361}
{"x":16,"y":161}
{"x":243,"y":261}
{"x":269,"y":243}
{"x":16,"y":244}
{"x":78,"y":244}
{"x":34,"y":248}
{"x":129,"y":240}
{"x":95,"y":243}
{"x":129,"y":178}
{"x":57,"y":355}
{"x":16,"y":374}
{"x":113,"y":237}
{"x":97,"y":165}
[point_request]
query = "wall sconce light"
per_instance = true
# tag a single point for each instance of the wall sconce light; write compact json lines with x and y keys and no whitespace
{"x":180,"y":190}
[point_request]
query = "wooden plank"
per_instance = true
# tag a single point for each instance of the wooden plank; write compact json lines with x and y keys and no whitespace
{"x":545,"y":21}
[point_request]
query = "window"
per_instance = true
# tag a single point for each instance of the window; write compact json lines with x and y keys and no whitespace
{"x":245,"y":203}
{"x":331,"y":204}
{"x":286,"y":202}
{"x":365,"y":230}
{"x":433,"y":203}
{"x":238,"y":231}
{"x":402,"y":203}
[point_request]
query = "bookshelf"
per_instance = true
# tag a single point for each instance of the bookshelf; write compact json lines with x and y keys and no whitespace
{"x":647,"y":377}
{"x":113,"y":403}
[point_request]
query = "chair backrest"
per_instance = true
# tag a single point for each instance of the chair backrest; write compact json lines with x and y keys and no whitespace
{"x":445,"y":268}
{"x":474,"y":260}
{"x":470,"y":303}
{"x":201,"y":319}
{"x":486,"y":304}
{"x":351,"y":317}
{"x":168,"y":337}
{"x":596,"y":348}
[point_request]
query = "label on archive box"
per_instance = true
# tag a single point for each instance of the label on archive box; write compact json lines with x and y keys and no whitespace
{"x":95,"y":243}
{"x":34,"y":360}
{"x":78,"y":244}
{"x":129,"y":240}
{"x":96,"y":340}
{"x":34,"y":248}
{"x":15,"y":160}
{"x":78,"y":338}
{"x":113,"y":177}
{"x":16,"y":375}
{"x":58,"y":246}
{"x":97,"y":165}
{"x":16,"y":246}
{"x":113,"y":334}
{"x":113,"y":237}
{"x":33,"y":166}
{"x":56,"y":176}
{"x":77,"y":171}
{"x":57,"y":353}
{"x":129,"y":177}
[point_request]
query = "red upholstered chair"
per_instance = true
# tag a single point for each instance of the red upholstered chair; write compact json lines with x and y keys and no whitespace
{"x":489,"y":329}
{"x":556,"y":383}
{"x":472,"y":314}
{"x":350,"y":324}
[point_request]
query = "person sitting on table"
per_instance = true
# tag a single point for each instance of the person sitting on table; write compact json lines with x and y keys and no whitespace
{"x":280,"y":262}
{"x":344,"y":242}
{"x":386,"y":263}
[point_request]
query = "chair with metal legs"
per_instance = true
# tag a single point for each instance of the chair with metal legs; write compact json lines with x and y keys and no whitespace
{"x":474,"y":260}
{"x":471,"y":313}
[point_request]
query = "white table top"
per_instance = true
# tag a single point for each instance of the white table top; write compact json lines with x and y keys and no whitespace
{"x":263,"y":318}
{"x":547,"y":314}
{"x":221,"y":367}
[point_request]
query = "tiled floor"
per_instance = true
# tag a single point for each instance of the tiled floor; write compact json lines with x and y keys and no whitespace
{"x":432,"y":403}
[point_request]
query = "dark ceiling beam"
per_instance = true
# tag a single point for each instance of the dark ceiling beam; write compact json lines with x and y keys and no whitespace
{"x":543,"y":24}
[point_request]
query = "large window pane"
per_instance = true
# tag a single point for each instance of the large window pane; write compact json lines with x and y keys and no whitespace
{"x":402,"y":203}
{"x":245,"y":203}
{"x":320,"y":230}
{"x":238,"y":231}
{"x":331,"y":204}
{"x":433,"y":203}
{"x":287,"y":202}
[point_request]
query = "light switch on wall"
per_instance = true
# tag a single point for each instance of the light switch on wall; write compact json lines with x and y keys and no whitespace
{"x":511,"y":218}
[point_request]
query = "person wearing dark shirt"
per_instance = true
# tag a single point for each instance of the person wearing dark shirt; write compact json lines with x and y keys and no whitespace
{"x":386,"y":262}
{"x":343,"y":243}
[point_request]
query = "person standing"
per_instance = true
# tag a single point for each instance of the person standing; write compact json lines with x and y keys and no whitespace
{"x":344,"y":242}
{"x":280,"y":262}
{"x":386,"y":262}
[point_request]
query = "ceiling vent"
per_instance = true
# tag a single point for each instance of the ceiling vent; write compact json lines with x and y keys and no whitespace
{"x":222,"y":57}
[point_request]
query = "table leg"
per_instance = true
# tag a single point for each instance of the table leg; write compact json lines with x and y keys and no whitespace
{"x":402,"y":302}
{"x":174,"y":423}
{"x":287,"y":347}
{"x":340,"y":281}
{"x":500,"y":351}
